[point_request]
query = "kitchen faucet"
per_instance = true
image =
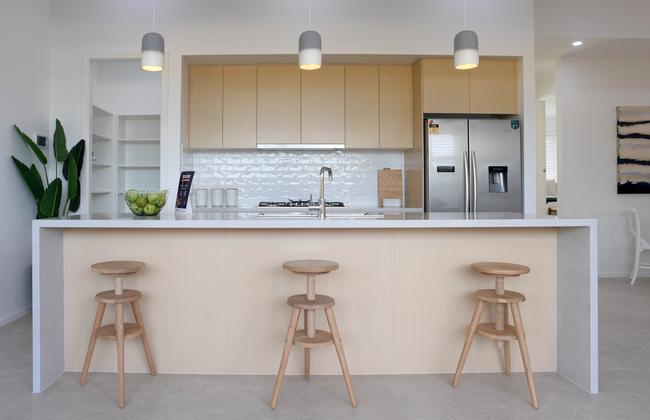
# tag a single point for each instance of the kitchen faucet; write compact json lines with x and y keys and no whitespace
{"x":321,"y":201}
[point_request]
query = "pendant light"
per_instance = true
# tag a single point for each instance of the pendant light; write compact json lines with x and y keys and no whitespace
{"x":153,"y":48}
{"x":309,"y":48}
{"x":465,"y":47}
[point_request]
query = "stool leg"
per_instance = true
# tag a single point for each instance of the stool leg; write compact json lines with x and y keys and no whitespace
{"x":285,"y":356}
{"x":119,"y":327}
{"x":507,"y":365}
{"x":137,"y":312}
{"x":519,"y":328}
{"x":339,"y":351}
{"x":307,"y":352}
{"x":93,"y":340}
{"x":468,"y":341}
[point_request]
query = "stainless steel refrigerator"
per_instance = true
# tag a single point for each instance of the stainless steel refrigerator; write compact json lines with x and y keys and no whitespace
{"x":473,"y":165}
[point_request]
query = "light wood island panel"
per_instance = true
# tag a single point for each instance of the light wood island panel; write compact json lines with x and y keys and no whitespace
{"x":215,"y":299}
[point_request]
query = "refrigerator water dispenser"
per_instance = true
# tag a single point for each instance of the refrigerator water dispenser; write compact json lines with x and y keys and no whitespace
{"x":498,"y":179}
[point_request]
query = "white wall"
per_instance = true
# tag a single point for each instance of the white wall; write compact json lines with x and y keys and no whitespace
{"x":91,"y":28}
{"x":588,"y":91}
{"x":121,"y":87}
{"x":24,"y":101}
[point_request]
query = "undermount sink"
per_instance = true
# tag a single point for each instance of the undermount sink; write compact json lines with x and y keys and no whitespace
{"x":314,"y":215}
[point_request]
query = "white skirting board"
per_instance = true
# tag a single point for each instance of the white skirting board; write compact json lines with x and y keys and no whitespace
{"x":8,"y":319}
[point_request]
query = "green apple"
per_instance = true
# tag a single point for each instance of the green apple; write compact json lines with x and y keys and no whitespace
{"x":151,"y":209}
{"x":131,"y":196}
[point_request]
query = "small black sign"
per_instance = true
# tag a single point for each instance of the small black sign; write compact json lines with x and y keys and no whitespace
{"x":184,"y":185}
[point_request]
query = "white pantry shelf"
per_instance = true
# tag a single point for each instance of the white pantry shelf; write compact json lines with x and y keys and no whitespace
{"x":139,"y":166}
{"x":139,"y":141}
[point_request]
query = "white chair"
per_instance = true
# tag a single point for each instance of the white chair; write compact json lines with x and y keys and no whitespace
{"x":640,"y":245}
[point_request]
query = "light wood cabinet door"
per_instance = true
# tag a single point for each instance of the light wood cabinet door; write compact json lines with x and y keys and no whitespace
{"x":493,"y":87}
{"x":205,"y":96}
{"x":395,"y":107}
{"x":322,"y":101}
{"x":239,"y":107}
{"x":445,"y":90}
{"x":362,"y":107}
{"x":278,"y":104}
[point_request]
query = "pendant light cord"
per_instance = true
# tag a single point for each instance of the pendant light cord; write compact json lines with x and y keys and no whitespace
{"x":464,"y":12}
{"x":310,"y":15}
{"x":153,"y":17}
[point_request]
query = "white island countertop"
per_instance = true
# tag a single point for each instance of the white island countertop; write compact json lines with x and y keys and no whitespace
{"x":411,"y":240}
{"x":250,"y":220}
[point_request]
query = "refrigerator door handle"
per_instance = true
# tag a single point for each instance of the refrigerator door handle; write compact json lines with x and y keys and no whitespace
{"x":474,"y":183}
{"x":466,"y":170}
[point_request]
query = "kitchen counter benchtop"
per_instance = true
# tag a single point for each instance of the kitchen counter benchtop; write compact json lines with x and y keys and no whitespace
{"x":250,"y":220}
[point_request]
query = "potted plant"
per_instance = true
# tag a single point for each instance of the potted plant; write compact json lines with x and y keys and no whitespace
{"x":48,"y":194}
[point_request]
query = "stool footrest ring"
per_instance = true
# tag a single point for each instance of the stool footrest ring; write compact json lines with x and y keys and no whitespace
{"x":489,"y":330}
{"x":108,"y":332}
{"x":321,"y":339}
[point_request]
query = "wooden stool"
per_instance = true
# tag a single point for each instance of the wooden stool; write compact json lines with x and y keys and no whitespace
{"x":499,"y":330}
{"x":120,"y":330}
{"x":311,"y":337}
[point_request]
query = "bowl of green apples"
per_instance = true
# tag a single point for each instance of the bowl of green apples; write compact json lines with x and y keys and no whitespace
{"x":145,"y":203}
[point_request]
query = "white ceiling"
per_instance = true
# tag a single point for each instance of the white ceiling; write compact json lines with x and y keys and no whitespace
{"x":548,"y":49}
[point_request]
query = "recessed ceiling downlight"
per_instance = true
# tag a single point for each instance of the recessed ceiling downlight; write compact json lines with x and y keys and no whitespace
{"x":576,"y":43}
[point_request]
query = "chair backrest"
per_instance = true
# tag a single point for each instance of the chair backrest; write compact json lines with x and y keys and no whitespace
{"x":635,"y":223}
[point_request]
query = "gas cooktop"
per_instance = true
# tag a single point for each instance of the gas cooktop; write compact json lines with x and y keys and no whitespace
{"x":297,"y":203}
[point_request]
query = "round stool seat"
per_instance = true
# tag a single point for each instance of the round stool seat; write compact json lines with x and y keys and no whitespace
{"x":310,"y":266}
{"x":490,"y":295}
{"x":117,"y":268}
{"x":108,"y":332}
{"x":110,"y":297}
{"x":301,"y":302}
{"x":500,"y":269}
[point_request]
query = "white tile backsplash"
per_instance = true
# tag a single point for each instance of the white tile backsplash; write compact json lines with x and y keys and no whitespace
{"x":266,"y":175}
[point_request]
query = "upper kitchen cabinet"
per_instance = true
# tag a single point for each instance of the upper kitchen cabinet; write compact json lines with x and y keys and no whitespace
{"x":205,"y":100}
{"x":322,"y":100}
{"x":493,"y":87}
{"x":395,"y":106}
{"x":362,"y":106}
{"x":278,"y":104}
{"x":445,"y":90}
{"x":239,"y":107}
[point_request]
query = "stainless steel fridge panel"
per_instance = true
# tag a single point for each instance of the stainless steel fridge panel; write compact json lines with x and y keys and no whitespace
{"x":497,"y":147}
{"x":446,"y":140}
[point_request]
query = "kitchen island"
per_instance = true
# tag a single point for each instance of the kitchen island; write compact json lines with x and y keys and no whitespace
{"x":214,"y":291}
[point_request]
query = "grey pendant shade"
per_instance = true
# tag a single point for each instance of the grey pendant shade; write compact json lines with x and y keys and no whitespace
{"x":309,"y":50}
{"x":153,"y":52}
{"x":466,"y":50}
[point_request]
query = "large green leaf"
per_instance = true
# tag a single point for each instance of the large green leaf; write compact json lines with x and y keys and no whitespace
{"x":29,"y":142}
{"x":78,"y":153}
{"x":76,"y":201}
{"x":37,"y":175}
{"x":60,"y":150}
{"x":51,"y":200}
{"x":74,"y":177}
{"x":31,"y":177}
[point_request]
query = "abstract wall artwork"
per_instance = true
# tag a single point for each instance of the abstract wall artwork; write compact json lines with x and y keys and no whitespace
{"x":633,"y":141}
